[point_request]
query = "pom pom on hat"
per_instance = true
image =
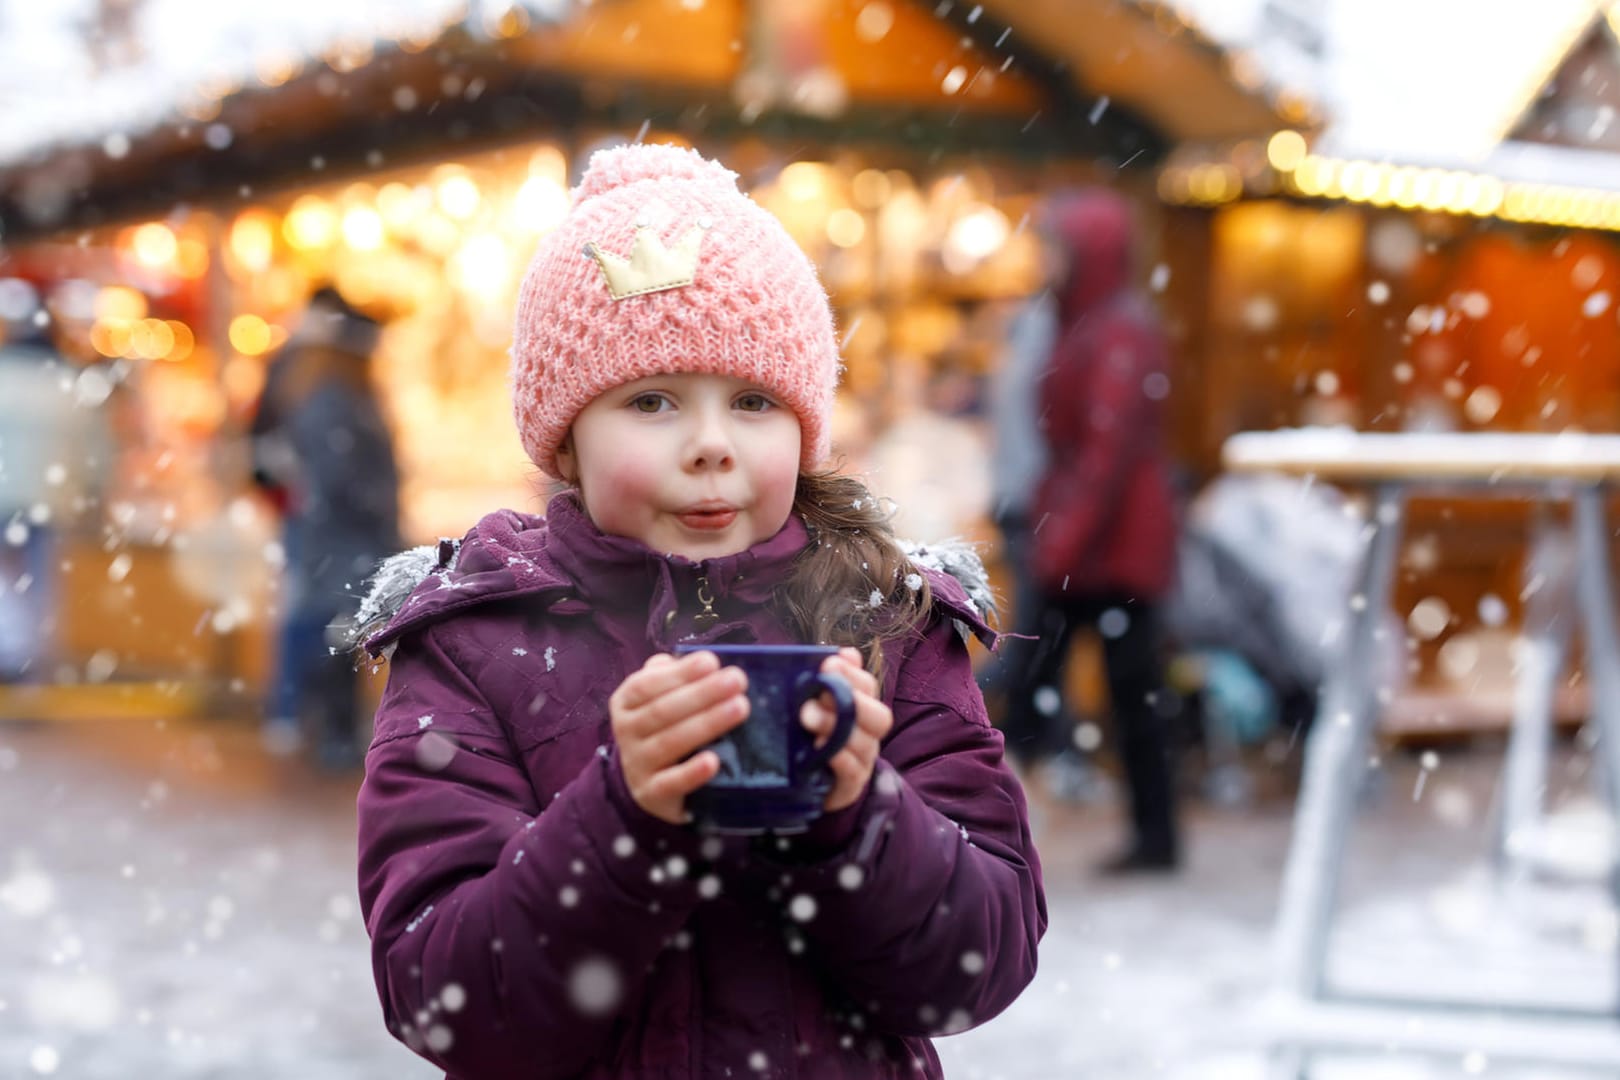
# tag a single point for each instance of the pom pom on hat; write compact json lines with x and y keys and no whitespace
{"x":664,"y":266}
{"x":618,"y":166}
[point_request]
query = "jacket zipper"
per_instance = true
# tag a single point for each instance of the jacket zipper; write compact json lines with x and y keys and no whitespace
{"x":703,"y":619}
{"x":707,"y":617}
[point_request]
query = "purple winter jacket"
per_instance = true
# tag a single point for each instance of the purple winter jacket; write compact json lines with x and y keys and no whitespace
{"x":528,"y":919}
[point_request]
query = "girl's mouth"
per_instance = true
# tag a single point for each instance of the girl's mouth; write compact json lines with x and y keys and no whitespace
{"x":708,"y":519}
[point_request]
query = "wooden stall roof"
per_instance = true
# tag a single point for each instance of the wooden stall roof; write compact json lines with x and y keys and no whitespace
{"x":1144,"y":56}
{"x":1113,"y":80}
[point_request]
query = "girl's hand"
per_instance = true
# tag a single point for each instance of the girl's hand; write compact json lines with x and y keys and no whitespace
{"x":852,"y":766}
{"x":665,"y":712}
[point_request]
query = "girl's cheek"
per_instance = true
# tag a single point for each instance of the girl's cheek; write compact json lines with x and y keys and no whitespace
{"x":615,"y":495}
{"x":783,"y":482}
{"x":632,"y":480}
{"x":780,"y":474}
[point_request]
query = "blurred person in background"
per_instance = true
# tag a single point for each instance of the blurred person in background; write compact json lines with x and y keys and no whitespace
{"x":1102,"y":543}
{"x":1019,"y":453}
{"x":323,"y":457}
{"x":53,"y":450}
{"x":1017,"y":461}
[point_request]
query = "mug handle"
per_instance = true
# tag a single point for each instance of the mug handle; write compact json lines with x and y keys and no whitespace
{"x":814,"y":685}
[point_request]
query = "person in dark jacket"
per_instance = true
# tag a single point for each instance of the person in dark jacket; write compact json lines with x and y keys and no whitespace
{"x":1104,"y":521}
{"x":324,"y":457}
{"x":538,"y":902}
{"x":1017,"y":462}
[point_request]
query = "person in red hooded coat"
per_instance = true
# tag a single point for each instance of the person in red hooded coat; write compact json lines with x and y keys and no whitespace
{"x":1104,"y":517}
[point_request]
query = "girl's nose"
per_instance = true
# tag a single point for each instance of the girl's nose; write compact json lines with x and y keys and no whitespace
{"x":711,"y":446}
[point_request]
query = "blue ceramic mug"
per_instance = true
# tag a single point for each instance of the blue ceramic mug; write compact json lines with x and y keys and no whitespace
{"x":773,"y":777}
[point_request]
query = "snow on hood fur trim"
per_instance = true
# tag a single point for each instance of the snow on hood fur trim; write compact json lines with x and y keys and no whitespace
{"x":388,"y":589}
{"x":960,"y":560}
{"x":399,"y":575}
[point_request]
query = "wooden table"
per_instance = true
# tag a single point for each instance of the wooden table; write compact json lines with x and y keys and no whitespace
{"x":1566,"y":467}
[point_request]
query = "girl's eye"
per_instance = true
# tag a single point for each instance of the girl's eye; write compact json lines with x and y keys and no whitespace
{"x":754,"y":403}
{"x":649,"y":403}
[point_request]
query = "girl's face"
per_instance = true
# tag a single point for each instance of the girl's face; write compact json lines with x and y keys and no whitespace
{"x":693,"y":465}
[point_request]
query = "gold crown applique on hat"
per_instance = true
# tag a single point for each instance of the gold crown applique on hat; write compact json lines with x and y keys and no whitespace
{"x":651,"y":267}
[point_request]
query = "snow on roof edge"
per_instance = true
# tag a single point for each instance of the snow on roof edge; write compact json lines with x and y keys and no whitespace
{"x":130,"y":102}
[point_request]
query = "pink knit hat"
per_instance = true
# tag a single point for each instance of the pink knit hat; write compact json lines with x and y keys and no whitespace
{"x":663,"y":266}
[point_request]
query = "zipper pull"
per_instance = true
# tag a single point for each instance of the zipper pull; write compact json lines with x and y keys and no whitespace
{"x":707,"y":616}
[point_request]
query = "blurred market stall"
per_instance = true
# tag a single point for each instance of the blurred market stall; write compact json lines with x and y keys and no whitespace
{"x":214,"y":165}
{"x":1441,"y":256}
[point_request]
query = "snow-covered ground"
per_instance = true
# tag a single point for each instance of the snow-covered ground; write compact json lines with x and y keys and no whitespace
{"x":175,"y":904}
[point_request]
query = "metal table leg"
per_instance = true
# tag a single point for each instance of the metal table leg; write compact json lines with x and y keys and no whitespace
{"x":1335,"y":758}
{"x":1548,"y":617}
{"x":1595,"y":592}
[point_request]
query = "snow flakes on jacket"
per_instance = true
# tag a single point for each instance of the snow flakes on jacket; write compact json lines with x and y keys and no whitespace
{"x":528,"y":919}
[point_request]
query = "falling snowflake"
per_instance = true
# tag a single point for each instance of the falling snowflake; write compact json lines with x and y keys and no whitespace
{"x":551,"y":657}
{"x":44,"y":1060}
{"x":595,"y":987}
{"x":1429,"y":618}
{"x":435,"y":751}
{"x":28,"y":893}
{"x":1113,"y":623}
{"x":410,"y":927}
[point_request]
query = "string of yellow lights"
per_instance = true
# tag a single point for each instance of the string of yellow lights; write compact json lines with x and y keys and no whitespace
{"x":1291,"y":168}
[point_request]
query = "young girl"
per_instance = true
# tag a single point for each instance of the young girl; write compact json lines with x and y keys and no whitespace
{"x":537,"y":903}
